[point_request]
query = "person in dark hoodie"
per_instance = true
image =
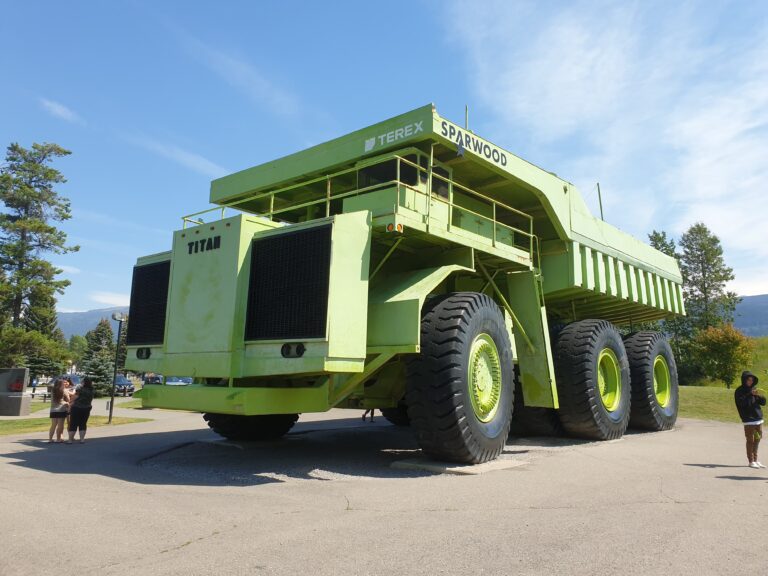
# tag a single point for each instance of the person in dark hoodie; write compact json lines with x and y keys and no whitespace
{"x":748,"y":402}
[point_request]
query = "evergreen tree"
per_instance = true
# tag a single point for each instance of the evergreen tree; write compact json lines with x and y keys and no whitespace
{"x":99,"y":358}
{"x":121,"y":349}
{"x":26,"y":232}
{"x":40,"y":315}
{"x":704,"y":277}
{"x":663,"y":243}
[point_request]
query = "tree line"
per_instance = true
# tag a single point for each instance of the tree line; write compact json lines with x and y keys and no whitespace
{"x":29,"y":235}
{"x":705,"y":342}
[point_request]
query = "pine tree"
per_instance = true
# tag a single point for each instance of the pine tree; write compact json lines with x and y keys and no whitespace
{"x":663,"y":243}
{"x":707,"y":302}
{"x":122,"y":351}
{"x":40,"y":314}
{"x":99,"y":358}
{"x":26,"y":232}
{"x":704,"y":277}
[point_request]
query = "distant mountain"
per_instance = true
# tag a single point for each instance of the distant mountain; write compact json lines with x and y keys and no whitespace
{"x":752,"y":315}
{"x":81,"y":322}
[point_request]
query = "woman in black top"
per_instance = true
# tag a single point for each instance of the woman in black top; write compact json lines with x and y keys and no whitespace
{"x":80,"y":410}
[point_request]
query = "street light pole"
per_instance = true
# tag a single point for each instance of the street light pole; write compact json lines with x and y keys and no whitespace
{"x":119,"y":318}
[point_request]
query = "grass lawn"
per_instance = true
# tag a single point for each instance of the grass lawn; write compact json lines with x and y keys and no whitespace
{"x":37,"y":405}
{"x":25,"y":425}
{"x":136,"y":403}
{"x":708,"y":403}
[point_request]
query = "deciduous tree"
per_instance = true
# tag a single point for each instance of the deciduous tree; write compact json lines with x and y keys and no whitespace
{"x":722,"y":352}
{"x":77,"y":347}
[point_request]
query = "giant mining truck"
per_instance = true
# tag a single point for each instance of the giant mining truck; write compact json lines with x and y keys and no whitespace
{"x":415,"y":268}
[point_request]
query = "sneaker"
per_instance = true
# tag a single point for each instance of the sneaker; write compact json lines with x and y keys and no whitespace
{"x":760,"y":464}
{"x":753,"y":465}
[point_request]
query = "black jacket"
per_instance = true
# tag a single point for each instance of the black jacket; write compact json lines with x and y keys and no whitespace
{"x":747,"y":404}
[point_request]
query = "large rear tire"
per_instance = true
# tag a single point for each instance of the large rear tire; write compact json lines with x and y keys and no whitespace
{"x":653,"y":372}
{"x":460,"y":388}
{"x":266,"y":427}
{"x":592,"y":373}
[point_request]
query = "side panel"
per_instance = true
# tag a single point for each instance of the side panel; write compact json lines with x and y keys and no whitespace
{"x":201,"y":302}
{"x":348,"y":302}
{"x":537,"y":373}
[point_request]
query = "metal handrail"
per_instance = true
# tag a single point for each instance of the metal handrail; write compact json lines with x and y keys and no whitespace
{"x":430,"y":176}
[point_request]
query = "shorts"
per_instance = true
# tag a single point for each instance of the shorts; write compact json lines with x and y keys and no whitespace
{"x":59,"y":414}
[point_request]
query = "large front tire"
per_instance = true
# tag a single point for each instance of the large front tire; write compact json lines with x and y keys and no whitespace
{"x":267,"y":427}
{"x":592,"y":373}
{"x":460,"y":388}
{"x":655,"y":395}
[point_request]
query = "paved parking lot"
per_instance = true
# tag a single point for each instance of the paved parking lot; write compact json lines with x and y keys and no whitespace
{"x":170,"y":497}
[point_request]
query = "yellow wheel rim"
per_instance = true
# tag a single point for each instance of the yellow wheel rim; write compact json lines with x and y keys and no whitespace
{"x":609,"y":379}
{"x":484,"y":378}
{"x":662,"y":386}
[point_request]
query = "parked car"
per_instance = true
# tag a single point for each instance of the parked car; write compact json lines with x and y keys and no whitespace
{"x":178,"y":380}
{"x":123,"y":386}
{"x":153,"y":379}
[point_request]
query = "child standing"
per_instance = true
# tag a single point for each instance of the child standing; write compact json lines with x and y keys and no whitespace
{"x":748,"y":402}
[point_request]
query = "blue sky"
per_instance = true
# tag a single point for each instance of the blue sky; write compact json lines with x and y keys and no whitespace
{"x":665,"y":104}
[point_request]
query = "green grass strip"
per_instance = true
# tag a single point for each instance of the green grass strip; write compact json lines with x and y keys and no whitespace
{"x":22,"y":426}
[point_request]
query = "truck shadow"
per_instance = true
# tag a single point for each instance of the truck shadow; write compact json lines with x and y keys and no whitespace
{"x":321,"y":451}
{"x":338,"y":450}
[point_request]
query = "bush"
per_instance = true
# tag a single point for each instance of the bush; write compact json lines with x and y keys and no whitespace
{"x":722,"y":352}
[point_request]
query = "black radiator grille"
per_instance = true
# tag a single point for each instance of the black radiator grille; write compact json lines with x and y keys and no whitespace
{"x":288,"y":290}
{"x":149,"y":299}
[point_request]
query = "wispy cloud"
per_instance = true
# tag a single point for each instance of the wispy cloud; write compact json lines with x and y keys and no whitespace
{"x":191,"y":160}
{"x":110,"y":298}
{"x":241,"y":74}
{"x":101,"y":245}
{"x":68,"y":269}
{"x":116,"y":223}
{"x":58,"y":110}
{"x":655,"y":101}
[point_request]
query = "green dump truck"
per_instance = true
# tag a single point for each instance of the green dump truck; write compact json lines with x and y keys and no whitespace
{"x":415,"y":268}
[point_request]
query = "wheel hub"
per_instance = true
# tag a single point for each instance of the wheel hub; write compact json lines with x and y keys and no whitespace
{"x":662,"y":386}
{"x":609,"y":379}
{"x":484,"y":378}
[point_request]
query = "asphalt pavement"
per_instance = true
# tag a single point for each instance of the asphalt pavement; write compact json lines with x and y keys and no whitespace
{"x":342,"y":496}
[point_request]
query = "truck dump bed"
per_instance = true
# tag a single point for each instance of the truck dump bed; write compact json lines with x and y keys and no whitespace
{"x":532,"y":218}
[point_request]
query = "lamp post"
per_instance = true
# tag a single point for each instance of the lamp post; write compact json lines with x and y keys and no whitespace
{"x":119,"y":318}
